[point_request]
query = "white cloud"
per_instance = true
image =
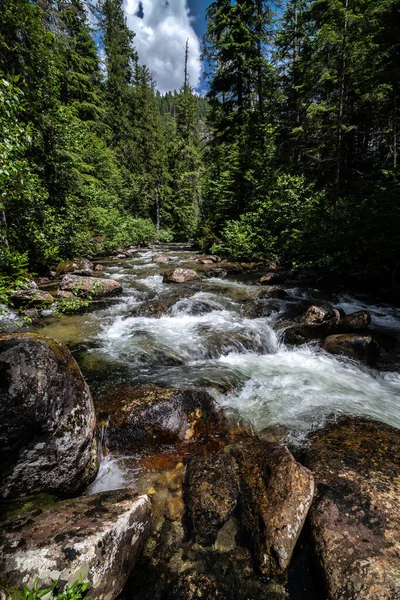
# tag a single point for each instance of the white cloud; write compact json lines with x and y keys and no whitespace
{"x":162,"y":28}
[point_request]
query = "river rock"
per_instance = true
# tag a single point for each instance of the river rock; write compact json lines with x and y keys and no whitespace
{"x":31,"y":297}
{"x":96,"y":537}
{"x":354,"y":322}
{"x":194,"y":586}
{"x":90,"y":286}
{"x":355,"y":516}
{"x":47,"y":441}
{"x":318,"y":321}
{"x":272,"y":278}
{"x":76,"y":265}
{"x":99,"y":267}
{"x":160,"y":307}
{"x":160,"y":259}
{"x":273,"y":291}
{"x":218,"y":273}
{"x":64,"y":295}
{"x":275,"y":495}
{"x":353,"y":345}
{"x":212,"y":488}
{"x":180,"y":276}
{"x":148,"y":415}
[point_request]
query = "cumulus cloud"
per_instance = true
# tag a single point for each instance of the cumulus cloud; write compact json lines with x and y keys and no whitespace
{"x":162,"y":28}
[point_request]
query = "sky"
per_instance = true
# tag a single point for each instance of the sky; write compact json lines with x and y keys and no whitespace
{"x":162,"y":28}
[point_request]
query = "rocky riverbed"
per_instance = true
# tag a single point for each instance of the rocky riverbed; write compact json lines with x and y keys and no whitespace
{"x":244,"y":423}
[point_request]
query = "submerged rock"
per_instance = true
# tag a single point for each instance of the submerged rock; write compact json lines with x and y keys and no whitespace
{"x":355,"y":516}
{"x":194,"y":586}
{"x":212,"y":488}
{"x":31,"y":297}
{"x":273,"y":291}
{"x":318,"y":321}
{"x":150,"y":415}
{"x":160,"y":259}
{"x":275,"y":495}
{"x":95,"y":537}
{"x":354,"y":322}
{"x":218,"y":273}
{"x":353,"y":345}
{"x":90,"y":286}
{"x":47,"y":419}
{"x":180,"y":276}
{"x":160,"y":307}
{"x":76,"y":265}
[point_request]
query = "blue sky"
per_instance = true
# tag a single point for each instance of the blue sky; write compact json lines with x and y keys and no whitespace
{"x":161,"y":29}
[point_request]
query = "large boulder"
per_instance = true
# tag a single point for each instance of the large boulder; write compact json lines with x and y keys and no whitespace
{"x":95,"y":537}
{"x":353,"y":345}
{"x":148,"y":415}
{"x":94,"y":287}
{"x":275,"y":495}
{"x":32,"y":298}
{"x":180,"y":276}
{"x":79,"y":266}
{"x":318,"y":321}
{"x":47,"y":441}
{"x":354,"y":322}
{"x":212,"y":488}
{"x":355,"y":516}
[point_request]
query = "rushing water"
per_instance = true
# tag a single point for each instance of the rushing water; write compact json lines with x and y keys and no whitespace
{"x":212,"y":340}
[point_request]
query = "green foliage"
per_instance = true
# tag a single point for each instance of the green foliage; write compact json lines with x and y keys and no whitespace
{"x":77,"y":591}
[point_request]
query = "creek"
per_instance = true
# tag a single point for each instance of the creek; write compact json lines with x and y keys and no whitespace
{"x":217,"y":334}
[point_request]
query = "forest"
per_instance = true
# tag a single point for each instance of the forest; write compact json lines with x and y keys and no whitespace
{"x":291,"y":155}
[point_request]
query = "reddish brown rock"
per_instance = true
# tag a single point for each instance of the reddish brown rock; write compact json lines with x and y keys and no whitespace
{"x":159,"y":259}
{"x":275,"y":495}
{"x":148,"y":415}
{"x":353,"y":345}
{"x":212,"y":489}
{"x":181,"y":276}
{"x":96,"y":537}
{"x":355,"y":516}
{"x":99,"y":267}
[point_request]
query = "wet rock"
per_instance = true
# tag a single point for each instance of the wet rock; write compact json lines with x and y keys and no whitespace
{"x":96,"y":537}
{"x":160,"y":259}
{"x":31,"y":297}
{"x":121,"y":255}
{"x":212,"y":488}
{"x":194,"y":586}
{"x":159,"y":307}
{"x":355,"y":516}
{"x":180,"y":276}
{"x":208,"y":260}
{"x":64,"y":295}
{"x":153,"y":416}
{"x":318,"y":321}
{"x":75,"y":265}
{"x":218,"y":273}
{"x":90,"y":286}
{"x":272,"y":278}
{"x":275,"y":496}
{"x":99,"y":267}
{"x":354,"y":322}
{"x":353,"y":345}
{"x":47,"y":419}
{"x":273,"y":291}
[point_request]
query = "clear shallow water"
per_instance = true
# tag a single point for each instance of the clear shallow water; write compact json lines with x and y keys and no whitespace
{"x":209,"y":340}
